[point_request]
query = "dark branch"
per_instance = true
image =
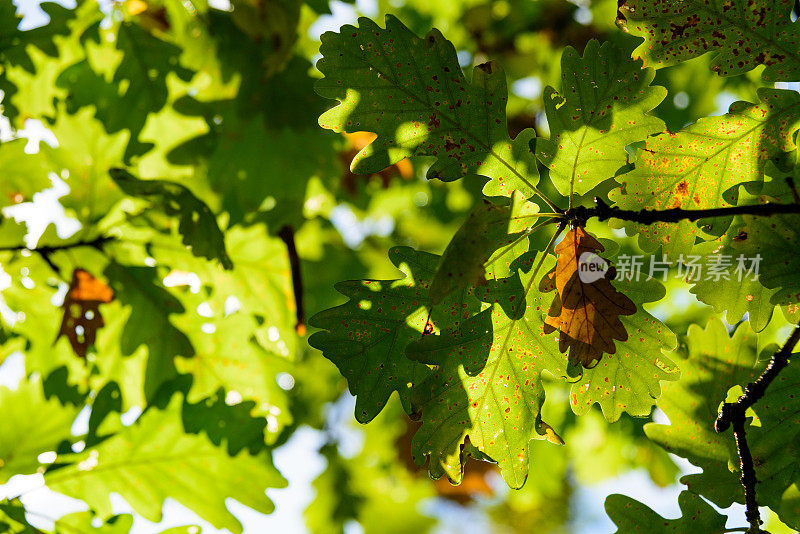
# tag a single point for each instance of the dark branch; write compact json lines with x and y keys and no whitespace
{"x":748,"y":477}
{"x":604,"y":212}
{"x":733,"y":413}
{"x":287,"y":234}
{"x":47,"y":251}
{"x":95,"y":243}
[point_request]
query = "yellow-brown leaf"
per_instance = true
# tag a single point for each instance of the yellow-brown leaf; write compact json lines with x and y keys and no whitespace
{"x":82,"y":316}
{"x":587,"y":314}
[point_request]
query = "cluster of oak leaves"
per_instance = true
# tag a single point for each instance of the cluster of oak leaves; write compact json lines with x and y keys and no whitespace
{"x":465,"y":339}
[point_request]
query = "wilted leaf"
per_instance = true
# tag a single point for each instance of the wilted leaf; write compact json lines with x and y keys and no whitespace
{"x":82,"y":316}
{"x":586,"y":308}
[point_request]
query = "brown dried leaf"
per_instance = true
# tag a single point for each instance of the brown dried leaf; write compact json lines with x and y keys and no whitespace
{"x":585,"y":313}
{"x":82,"y":316}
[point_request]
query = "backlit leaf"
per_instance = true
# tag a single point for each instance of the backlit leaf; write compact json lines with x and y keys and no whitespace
{"x":700,"y":166}
{"x":198,"y":226}
{"x":631,"y":516}
{"x":603,"y":106}
{"x":154,"y":459}
{"x":586,"y":308}
{"x":741,"y":35}
{"x":413,"y":94}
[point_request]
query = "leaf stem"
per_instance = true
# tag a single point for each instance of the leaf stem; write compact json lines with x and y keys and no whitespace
{"x":541,"y":195}
{"x":558,"y":231}
{"x":733,"y":414}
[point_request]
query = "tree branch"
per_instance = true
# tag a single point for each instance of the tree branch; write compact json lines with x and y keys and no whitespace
{"x":96,"y":243}
{"x":580,"y":214}
{"x":287,"y":234}
{"x":46,"y":251}
{"x":733,"y":413}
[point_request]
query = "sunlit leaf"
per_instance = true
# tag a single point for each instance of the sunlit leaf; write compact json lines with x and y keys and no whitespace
{"x":603,"y":106}
{"x":154,"y":459}
{"x":741,"y":35}
{"x":629,"y":515}
{"x":413,"y":94}
{"x":700,"y":166}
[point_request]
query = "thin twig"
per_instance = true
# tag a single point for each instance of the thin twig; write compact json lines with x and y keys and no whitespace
{"x":603,"y":211}
{"x":287,"y":234}
{"x":46,"y":251}
{"x":95,"y":243}
{"x":733,"y":413}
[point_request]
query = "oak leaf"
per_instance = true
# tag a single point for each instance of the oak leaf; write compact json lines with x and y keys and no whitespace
{"x":585,"y":309}
{"x":81,"y":306}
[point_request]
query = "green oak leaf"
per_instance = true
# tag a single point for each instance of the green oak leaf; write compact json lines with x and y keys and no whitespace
{"x":82,"y":523}
{"x":16,"y":46}
{"x":154,"y":459}
{"x":603,"y":106}
{"x":270,"y":171}
{"x":714,"y":364}
{"x":12,"y":233}
{"x":741,"y":35}
{"x":367,"y":336}
{"x":230,"y":358}
{"x":487,"y":381}
{"x":743,"y":291}
{"x":696,"y":167}
{"x":489,"y":227}
{"x":630,"y":380}
{"x":761,"y":251}
{"x":412,"y":93}
{"x":631,"y":516}
{"x":22,"y":174}
{"x":31,"y":426}
{"x":487,"y":385}
{"x":198,"y":225}
{"x":149,"y":321}
{"x":37,"y":77}
{"x":775,"y":239}
{"x":138,"y":87}
{"x":237,"y":425}
{"x":84,"y":154}
{"x":261,"y":280}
